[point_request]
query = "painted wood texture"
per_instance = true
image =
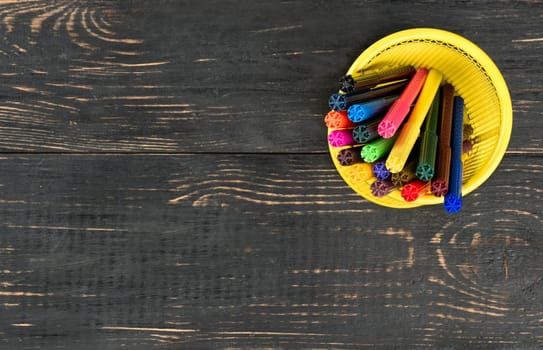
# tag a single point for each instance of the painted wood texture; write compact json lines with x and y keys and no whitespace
{"x":222,"y":76}
{"x":260,"y":252}
{"x":165,"y":184}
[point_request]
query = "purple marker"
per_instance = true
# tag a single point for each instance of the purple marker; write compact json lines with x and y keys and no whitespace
{"x":380,"y":170}
{"x":381,"y":188}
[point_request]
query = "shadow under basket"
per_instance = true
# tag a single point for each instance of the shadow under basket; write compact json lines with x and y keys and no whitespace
{"x":474,"y":77}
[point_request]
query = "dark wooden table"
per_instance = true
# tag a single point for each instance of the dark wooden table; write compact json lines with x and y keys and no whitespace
{"x":165,"y":184}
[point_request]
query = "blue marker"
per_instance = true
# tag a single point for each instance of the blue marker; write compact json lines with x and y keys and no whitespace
{"x":363,"y":111}
{"x":453,"y":199}
{"x":380,"y":170}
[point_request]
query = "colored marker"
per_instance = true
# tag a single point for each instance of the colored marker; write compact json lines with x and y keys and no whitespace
{"x":366,"y":132}
{"x":338,"y":102}
{"x":347,"y":83}
{"x":439,"y":188}
{"x":428,"y":143}
{"x":406,"y":175}
{"x":349,"y":156}
{"x":410,"y":132}
{"x":366,"y":110}
{"x":338,"y":120}
{"x":453,"y":199}
{"x":359,"y":172}
{"x":381,"y":188}
{"x":467,"y":146}
{"x":440,"y":182}
{"x":414,"y":190}
{"x":377,"y":149}
{"x":371,"y":78}
{"x":467,"y":131}
{"x":342,"y":137}
{"x":380,"y":171}
{"x":400,"y":108}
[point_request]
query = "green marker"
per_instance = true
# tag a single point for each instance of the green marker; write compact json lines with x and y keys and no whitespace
{"x":428,"y":144}
{"x":377,"y":149}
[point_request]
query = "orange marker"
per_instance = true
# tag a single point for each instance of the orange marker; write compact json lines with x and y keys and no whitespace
{"x":338,"y":120}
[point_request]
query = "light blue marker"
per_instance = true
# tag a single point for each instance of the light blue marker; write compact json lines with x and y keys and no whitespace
{"x":366,"y":110}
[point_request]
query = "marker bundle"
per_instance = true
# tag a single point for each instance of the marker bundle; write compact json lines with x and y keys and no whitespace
{"x":402,"y":131}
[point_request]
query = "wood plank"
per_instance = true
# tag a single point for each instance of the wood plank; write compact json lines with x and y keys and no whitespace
{"x":259,"y":251}
{"x":220,"y":76}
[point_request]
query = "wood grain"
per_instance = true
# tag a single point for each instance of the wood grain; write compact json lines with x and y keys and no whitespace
{"x":169,"y":76}
{"x":165,"y":184}
{"x":259,"y":251}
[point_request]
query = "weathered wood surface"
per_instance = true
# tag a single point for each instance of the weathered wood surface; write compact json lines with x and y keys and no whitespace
{"x":177,"y":76}
{"x":260,"y":252}
{"x":165,"y":184}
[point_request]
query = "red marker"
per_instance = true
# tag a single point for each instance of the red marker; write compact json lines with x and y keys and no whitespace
{"x":400,"y":108}
{"x":413,"y":190}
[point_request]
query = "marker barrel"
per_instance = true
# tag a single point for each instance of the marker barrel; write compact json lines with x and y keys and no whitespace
{"x":349,"y":156}
{"x":439,"y":188}
{"x":371,"y":78}
{"x":338,"y":120}
{"x":441,"y":178}
{"x":400,"y":108}
{"x":359,"y":172}
{"x":340,"y":138}
{"x":428,"y":144}
{"x":360,"y":112}
{"x":377,"y":149}
{"x":380,"y":171}
{"x":406,"y":175}
{"x":453,"y":199}
{"x":381,"y":188}
{"x":366,"y":132}
{"x":339,"y":102}
{"x":414,"y":190}
{"x":411,"y":130}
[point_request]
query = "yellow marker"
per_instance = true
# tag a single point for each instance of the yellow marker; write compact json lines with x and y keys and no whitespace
{"x":360,"y":172}
{"x":411,"y":130}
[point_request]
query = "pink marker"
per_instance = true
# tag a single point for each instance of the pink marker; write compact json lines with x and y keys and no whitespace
{"x":339,"y":138}
{"x":400,"y":108}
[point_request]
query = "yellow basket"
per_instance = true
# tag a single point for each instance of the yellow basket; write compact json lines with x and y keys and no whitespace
{"x":475,"y":78}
